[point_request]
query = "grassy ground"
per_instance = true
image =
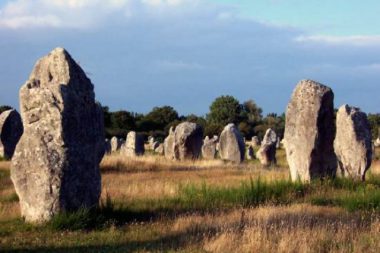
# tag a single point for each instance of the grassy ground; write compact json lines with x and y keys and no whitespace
{"x":150,"y":204}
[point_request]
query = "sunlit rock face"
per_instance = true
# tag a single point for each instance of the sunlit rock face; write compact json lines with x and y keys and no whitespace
{"x":55,"y":167}
{"x":353,"y":142}
{"x":310,"y":132}
{"x":231,"y":144}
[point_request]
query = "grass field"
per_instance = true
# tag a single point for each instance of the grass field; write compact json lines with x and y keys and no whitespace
{"x":150,"y":204}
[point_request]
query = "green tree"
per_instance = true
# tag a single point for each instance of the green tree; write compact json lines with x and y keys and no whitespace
{"x":196,"y":119}
{"x":160,"y":117}
{"x":251,"y":112}
{"x":123,"y":120}
{"x":250,"y":117}
{"x":374,"y":122}
{"x":107,"y":117}
{"x":224,"y":110}
{"x":272,"y":120}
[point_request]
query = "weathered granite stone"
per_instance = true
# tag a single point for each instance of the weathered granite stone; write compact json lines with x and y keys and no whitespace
{"x":169,"y":145}
{"x":377,"y":142}
{"x":151,"y":143}
{"x":209,"y":148}
{"x":267,"y":151}
{"x":11,"y":130}
{"x":55,"y":167}
{"x":134,"y":145}
{"x":250,"y":155}
{"x":115,"y":144}
{"x":310,"y":132}
{"x":255,"y":142}
{"x":231,"y":144}
{"x":188,"y":141}
{"x":160,"y":149}
{"x":353,"y":145}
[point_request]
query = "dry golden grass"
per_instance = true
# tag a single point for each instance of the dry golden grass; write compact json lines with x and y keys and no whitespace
{"x":309,"y":229}
{"x":156,"y":177}
{"x":291,"y":228}
{"x":296,"y":228}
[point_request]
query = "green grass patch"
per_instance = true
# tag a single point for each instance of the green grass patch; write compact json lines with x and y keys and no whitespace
{"x":9,"y":198}
{"x":251,"y":193}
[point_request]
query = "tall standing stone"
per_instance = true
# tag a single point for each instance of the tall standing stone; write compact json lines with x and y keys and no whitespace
{"x":169,"y":145}
{"x":209,"y":147}
{"x":134,"y":145}
{"x":353,"y":142}
{"x":188,"y":141}
{"x":255,"y":141}
{"x":55,"y":167}
{"x":160,"y":149}
{"x":267,"y":151}
{"x":11,"y":130}
{"x":116,"y":144}
{"x":377,"y":142}
{"x":310,"y":132}
{"x":231,"y":144}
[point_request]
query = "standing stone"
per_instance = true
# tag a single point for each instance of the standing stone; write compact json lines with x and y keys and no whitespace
{"x":115,"y":144}
{"x":250,"y":155}
{"x":134,"y":145}
{"x":255,"y":141}
{"x":209,"y":148}
{"x":188,"y":141}
{"x":377,"y":142}
{"x":310,"y":132}
{"x":160,"y":149}
{"x":55,"y":167}
{"x":231,"y":144}
{"x":169,"y":145}
{"x":11,"y":130}
{"x":353,"y":145}
{"x":151,"y":142}
{"x":267,"y":151}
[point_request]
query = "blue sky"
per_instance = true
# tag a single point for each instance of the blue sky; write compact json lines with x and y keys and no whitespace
{"x":184,"y":53}
{"x":329,"y":17}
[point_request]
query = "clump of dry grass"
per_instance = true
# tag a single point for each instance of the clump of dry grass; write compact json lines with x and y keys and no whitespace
{"x":296,"y":228}
{"x":153,"y":163}
{"x":153,"y":176}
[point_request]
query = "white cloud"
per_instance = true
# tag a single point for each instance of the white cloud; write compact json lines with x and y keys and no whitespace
{"x":77,"y":13}
{"x":372,"y":40}
{"x":28,"y":20}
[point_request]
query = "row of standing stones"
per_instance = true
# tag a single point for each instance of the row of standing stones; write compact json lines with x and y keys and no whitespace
{"x":58,"y":142}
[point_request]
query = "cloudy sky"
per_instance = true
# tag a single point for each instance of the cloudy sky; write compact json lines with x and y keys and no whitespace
{"x":145,"y":53}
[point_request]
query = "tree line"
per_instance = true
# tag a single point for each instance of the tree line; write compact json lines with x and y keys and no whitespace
{"x":247,"y":116}
{"x":223,"y":110}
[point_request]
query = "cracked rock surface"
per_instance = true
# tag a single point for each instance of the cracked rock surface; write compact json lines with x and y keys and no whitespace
{"x":55,"y":167}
